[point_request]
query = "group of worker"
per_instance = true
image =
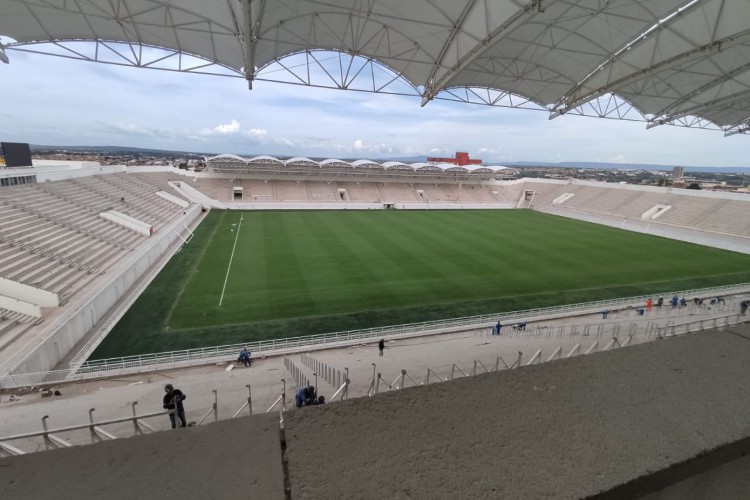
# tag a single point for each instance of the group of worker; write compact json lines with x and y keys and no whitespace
{"x":308,"y":397}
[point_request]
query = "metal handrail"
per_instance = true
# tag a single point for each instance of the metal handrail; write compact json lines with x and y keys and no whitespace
{"x":212,"y":353}
{"x":189,"y":357}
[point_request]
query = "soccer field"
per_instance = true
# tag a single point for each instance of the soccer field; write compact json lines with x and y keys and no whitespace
{"x":254,"y":275}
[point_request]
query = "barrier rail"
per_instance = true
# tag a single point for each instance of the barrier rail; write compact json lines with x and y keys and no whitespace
{"x":52,"y":440}
{"x":651,"y":330}
{"x":192,"y":357}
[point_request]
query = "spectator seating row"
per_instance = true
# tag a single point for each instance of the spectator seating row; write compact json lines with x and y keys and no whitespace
{"x":716,"y":214}
{"x":280,"y":191}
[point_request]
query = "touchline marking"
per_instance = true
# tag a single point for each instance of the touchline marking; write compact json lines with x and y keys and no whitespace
{"x":230,"y":262}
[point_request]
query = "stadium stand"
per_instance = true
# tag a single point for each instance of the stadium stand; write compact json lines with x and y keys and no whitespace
{"x":52,"y":237}
{"x":290,"y":191}
{"x":356,"y":191}
{"x":322,"y":191}
{"x":712,"y":212}
{"x":396,"y":191}
{"x":54,"y":242}
{"x":258,"y":190}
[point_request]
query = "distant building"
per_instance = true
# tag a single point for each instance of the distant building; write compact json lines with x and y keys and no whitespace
{"x":462,"y":159}
{"x":678,"y":172}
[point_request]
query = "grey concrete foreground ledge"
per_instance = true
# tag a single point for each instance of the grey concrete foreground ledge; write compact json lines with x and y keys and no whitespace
{"x":240,"y":457}
{"x":564,"y":429}
{"x":572,"y":428}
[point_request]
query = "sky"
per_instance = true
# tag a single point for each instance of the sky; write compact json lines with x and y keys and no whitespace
{"x":55,"y":101}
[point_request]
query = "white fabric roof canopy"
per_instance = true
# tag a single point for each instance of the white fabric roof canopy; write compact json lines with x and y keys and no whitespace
{"x":670,"y":58}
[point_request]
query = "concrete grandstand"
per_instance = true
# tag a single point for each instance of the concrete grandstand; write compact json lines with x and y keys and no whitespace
{"x":69,"y":273}
{"x":64,"y":265}
{"x":79,"y":243}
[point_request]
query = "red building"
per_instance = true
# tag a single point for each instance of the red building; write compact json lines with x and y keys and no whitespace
{"x":461,"y":159}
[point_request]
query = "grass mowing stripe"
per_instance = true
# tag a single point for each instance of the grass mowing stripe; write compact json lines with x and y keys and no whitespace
{"x":229,"y":266}
{"x":203,"y":245}
{"x":297,"y":273}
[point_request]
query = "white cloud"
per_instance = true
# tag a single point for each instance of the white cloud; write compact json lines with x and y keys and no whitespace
{"x":71,"y":103}
{"x":230,"y":128}
{"x":256,"y":132}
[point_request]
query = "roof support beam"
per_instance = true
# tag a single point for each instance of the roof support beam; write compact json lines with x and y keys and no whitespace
{"x":433,"y":87}
{"x":570,"y":101}
{"x":670,"y":114}
{"x":444,"y":51}
{"x":3,"y":55}
{"x":251,"y":34}
{"x":742,"y":127}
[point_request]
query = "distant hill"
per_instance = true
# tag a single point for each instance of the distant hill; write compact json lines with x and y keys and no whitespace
{"x":623,"y":166}
{"x":113,"y":150}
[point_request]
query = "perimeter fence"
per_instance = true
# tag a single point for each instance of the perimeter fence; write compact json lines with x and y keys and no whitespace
{"x":207,"y":355}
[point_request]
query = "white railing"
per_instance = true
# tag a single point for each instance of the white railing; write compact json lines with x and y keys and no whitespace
{"x":205,"y":355}
{"x":651,"y":331}
{"x":127,"y":301}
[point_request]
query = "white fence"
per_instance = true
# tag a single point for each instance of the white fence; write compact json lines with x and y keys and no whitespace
{"x":616,"y":334}
{"x":207,"y":355}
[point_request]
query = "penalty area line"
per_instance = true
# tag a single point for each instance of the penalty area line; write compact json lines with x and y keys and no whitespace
{"x":229,"y":267}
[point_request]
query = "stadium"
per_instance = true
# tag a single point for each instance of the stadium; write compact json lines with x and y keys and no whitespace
{"x":148,"y":273}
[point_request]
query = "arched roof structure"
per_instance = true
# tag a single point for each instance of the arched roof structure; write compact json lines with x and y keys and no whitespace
{"x":673,"y":61}
{"x":336,"y":163}
{"x":301,"y":161}
{"x":265,"y":159}
{"x":367,"y":165}
{"x":270,"y":166}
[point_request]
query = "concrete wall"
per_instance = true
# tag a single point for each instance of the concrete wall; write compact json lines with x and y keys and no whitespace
{"x":716,"y":240}
{"x":51,"y":174}
{"x":20,"y":306}
{"x":177,"y":201}
{"x":28,"y":293}
{"x":191,"y":193}
{"x":136,"y":225}
{"x":63,"y":333}
{"x":365,"y":206}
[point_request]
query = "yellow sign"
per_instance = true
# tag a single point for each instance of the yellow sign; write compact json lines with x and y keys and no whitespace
{"x":2,"y":161}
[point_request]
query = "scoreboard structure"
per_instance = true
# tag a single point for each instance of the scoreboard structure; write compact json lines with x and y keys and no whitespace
{"x":15,"y":154}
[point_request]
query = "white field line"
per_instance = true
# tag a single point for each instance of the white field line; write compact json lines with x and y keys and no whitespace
{"x":229,"y":267}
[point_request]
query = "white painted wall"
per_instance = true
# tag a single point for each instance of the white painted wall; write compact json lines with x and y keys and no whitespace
{"x":27,"y":293}
{"x":711,"y":239}
{"x":191,"y":193}
{"x":20,"y":306}
{"x":51,"y":174}
{"x":171,"y":198}
{"x":365,"y":206}
{"x":127,"y":221}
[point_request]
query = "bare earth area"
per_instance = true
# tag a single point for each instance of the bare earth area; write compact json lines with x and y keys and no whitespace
{"x":570,"y":428}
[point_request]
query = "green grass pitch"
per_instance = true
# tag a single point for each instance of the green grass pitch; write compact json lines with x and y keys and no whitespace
{"x":299,"y":273}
